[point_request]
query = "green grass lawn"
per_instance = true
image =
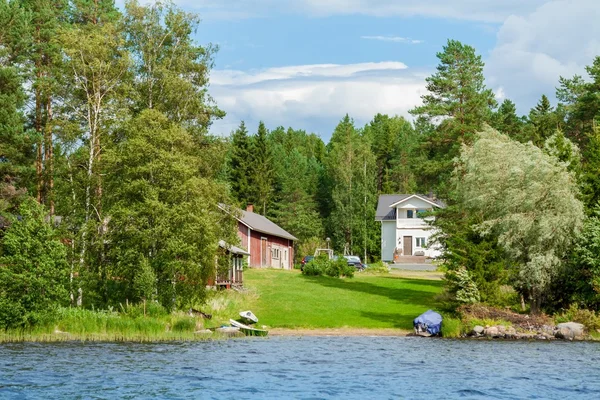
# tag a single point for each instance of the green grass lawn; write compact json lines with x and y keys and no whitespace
{"x":288,"y":299}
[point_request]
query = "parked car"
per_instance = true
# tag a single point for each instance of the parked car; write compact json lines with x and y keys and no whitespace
{"x":355,"y":262}
{"x":305,"y":261}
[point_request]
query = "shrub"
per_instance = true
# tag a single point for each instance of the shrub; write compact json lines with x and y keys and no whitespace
{"x":463,"y":286}
{"x":586,"y":317}
{"x":451,"y":327}
{"x":333,"y":268}
{"x":378,"y":268}
{"x":313,"y":268}
{"x":34,"y":274}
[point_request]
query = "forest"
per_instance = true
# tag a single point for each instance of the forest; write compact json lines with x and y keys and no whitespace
{"x":110,"y":179}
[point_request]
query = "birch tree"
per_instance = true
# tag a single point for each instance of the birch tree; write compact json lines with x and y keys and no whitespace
{"x":98,"y":65}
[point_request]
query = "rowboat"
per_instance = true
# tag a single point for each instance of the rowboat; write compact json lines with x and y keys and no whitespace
{"x":247,"y":330}
{"x":248,"y":317}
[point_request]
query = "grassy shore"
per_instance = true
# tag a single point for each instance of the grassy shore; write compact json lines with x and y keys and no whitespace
{"x":288,"y":299}
{"x":286,"y":302}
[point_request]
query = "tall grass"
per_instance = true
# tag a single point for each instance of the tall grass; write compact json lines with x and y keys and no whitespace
{"x":89,"y":325}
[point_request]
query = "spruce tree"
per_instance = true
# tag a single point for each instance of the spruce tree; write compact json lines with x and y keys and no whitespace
{"x":239,"y":165}
{"x":262,"y":174}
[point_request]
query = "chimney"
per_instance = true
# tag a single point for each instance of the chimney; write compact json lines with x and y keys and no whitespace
{"x":250,"y":208}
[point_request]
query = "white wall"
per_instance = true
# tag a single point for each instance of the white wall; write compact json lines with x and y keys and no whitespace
{"x":388,"y":240}
{"x":430,"y":250}
{"x":414,"y":202}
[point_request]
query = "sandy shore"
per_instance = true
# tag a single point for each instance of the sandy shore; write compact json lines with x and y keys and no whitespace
{"x":338,"y":332}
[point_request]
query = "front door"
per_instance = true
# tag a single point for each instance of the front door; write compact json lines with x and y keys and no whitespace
{"x":263,"y":252}
{"x":284,"y":259}
{"x":407,"y":246}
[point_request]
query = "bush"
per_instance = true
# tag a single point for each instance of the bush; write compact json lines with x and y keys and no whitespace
{"x":451,"y":327}
{"x":378,"y":268}
{"x":333,"y":268}
{"x":313,"y":268}
{"x":588,"y":318}
{"x":34,"y":274}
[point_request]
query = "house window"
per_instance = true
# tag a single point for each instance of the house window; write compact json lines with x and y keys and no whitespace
{"x":275,"y":254}
{"x":410,"y":214}
{"x":421,"y":242}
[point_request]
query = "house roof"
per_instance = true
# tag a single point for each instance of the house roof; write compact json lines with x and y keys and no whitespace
{"x":259,"y":223}
{"x":385,"y":212}
{"x":233,"y":249}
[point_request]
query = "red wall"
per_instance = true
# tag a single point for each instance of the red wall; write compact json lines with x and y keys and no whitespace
{"x":255,"y":246}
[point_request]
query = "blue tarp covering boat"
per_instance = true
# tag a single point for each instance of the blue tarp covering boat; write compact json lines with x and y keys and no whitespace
{"x":429,"y":322}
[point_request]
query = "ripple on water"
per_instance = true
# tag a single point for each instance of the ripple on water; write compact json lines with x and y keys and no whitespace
{"x":317,"y":367}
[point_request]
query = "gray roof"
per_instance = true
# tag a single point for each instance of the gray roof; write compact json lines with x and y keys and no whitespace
{"x":259,"y":223}
{"x":385,"y":213}
{"x":233,"y":249}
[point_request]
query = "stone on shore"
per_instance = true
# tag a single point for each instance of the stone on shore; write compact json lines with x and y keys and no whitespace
{"x":569,"y":331}
{"x":491,"y":332}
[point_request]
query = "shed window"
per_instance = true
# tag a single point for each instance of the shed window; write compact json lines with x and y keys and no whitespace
{"x":275,"y":254}
{"x":410,"y":214}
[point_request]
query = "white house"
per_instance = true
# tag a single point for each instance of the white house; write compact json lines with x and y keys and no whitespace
{"x":403,"y":231}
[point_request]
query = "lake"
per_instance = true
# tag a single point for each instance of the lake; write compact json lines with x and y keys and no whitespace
{"x":302,"y":368}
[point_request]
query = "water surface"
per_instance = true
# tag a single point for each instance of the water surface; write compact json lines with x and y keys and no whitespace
{"x":302,"y":368}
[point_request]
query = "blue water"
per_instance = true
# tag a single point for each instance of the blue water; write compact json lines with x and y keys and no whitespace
{"x":302,"y":368}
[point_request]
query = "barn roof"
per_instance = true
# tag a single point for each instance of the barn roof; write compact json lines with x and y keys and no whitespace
{"x":260,"y":223}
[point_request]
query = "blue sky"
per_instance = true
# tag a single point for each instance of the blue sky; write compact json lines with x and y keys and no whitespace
{"x":306,"y":63}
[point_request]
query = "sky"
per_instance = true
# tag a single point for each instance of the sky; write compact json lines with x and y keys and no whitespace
{"x":306,"y":63}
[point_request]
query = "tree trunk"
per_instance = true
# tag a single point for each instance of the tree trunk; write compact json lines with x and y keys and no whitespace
{"x":49,"y":156}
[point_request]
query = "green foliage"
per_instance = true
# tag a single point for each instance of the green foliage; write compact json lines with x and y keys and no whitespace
{"x":525,"y":198}
{"x":589,"y":318}
{"x":457,"y":103}
{"x":172,"y":69}
{"x":463,"y":287}
{"x":378,"y":268}
{"x":335,"y":268}
{"x":451,"y":327}
{"x":239,"y":165}
{"x":34,"y":273}
{"x":144,"y":282}
{"x":184,"y":325}
{"x":584,"y":272}
{"x":162,"y":208}
{"x":262,"y":173}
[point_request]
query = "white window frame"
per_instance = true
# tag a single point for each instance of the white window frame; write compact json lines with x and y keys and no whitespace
{"x":420,"y":242}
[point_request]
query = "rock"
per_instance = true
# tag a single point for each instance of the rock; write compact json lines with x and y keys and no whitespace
{"x":491,"y":332}
{"x":501,"y":330}
{"x":478,"y":330}
{"x":203,"y":331}
{"x":511,"y":333}
{"x":569,"y":331}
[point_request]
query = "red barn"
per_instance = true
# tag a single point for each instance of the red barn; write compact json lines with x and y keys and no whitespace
{"x":269,"y":245}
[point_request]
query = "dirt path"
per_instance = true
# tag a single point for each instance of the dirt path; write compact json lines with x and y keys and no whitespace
{"x":338,"y":332}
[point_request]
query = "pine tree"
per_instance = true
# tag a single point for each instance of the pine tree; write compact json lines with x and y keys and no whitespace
{"x":459,"y":103}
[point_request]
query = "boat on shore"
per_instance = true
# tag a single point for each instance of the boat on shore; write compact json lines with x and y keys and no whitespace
{"x":248,"y":317}
{"x":248,"y":330}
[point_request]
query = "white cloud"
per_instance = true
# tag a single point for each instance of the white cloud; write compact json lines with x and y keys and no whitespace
{"x":558,"y":38}
{"x":474,"y":10}
{"x":315,"y":97}
{"x":395,"y":39}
